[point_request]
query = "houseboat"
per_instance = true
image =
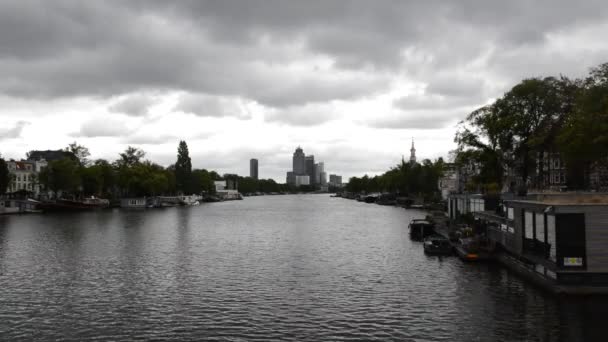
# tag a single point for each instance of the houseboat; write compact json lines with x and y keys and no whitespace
{"x":134,"y":203}
{"x":63,"y":204}
{"x":558,"y":241}
{"x":420,"y":228}
{"x":14,"y":206}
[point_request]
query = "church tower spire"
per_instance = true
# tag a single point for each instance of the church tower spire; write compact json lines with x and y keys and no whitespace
{"x":413,"y":153}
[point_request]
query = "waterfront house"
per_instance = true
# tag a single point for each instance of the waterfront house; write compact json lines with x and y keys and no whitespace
{"x":24,"y":176}
{"x":138,"y":202}
{"x":462,"y":204}
{"x":559,"y":241}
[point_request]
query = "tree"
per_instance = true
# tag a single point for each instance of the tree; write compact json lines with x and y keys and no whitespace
{"x":584,"y":137}
{"x":61,"y":175}
{"x":183,"y":169}
{"x":4,"y":176}
{"x":82,"y":153}
{"x":131,"y":156}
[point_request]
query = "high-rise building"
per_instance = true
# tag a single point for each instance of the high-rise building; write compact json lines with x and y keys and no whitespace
{"x":310,"y":168}
{"x":299,"y":162}
{"x":323,"y":180}
{"x":253,"y":168}
{"x":302,"y":180}
{"x":335,"y":180}
{"x":319,"y":171}
{"x":413,"y":153}
{"x":291,"y":178}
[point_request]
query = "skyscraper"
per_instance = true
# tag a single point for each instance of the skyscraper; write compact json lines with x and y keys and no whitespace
{"x":299,"y":162}
{"x":319,"y":173}
{"x":299,"y":166}
{"x":253,"y":168}
{"x":310,"y":168}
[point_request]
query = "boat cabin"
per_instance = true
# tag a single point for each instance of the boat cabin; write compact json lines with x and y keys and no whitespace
{"x":419,"y":229}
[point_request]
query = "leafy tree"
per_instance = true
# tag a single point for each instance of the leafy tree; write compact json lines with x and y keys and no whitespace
{"x":4,"y":176}
{"x":584,"y":137}
{"x":61,"y":175}
{"x":131,"y":156}
{"x":183,"y":169}
{"x":81,"y":152}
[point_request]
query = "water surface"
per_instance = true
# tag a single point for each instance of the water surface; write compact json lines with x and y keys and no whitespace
{"x":305,"y":267}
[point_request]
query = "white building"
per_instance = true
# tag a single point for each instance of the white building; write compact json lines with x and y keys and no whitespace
{"x":448,"y":183}
{"x":302,"y":180}
{"x":24,"y":175}
{"x":219,"y":185}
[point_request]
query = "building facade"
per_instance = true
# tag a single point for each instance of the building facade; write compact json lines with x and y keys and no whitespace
{"x":302,"y":180}
{"x":311,"y":168}
{"x":335,"y":180}
{"x":299,"y":162}
{"x":253,"y":168}
{"x":448,"y":183}
{"x":25,"y":175}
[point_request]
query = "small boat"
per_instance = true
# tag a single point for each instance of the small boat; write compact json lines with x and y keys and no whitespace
{"x":190,"y":200}
{"x":437,"y":245}
{"x":419,"y":229}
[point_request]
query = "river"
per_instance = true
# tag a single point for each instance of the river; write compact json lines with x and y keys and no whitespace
{"x":298,"y":267}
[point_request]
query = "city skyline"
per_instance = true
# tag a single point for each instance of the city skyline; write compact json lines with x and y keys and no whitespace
{"x":275,"y":75}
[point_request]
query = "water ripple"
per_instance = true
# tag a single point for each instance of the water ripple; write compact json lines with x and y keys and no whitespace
{"x":284,"y":268}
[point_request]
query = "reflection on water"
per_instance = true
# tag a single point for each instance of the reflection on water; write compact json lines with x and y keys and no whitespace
{"x":267,"y":268}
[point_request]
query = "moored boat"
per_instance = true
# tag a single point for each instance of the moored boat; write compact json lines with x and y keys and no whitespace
{"x":74,"y":205}
{"x":420,"y":228}
{"x":437,"y":245}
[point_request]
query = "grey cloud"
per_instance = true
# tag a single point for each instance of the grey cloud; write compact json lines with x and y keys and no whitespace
{"x":13,"y":132}
{"x":212,"y":106}
{"x":141,"y":139}
{"x":456,"y":86}
{"x":133,"y":105}
{"x":102,"y":127}
{"x":418,"y":120}
{"x":308,"y":115}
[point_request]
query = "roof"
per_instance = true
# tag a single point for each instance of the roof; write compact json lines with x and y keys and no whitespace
{"x":565,"y":199}
{"x":50,"y":155}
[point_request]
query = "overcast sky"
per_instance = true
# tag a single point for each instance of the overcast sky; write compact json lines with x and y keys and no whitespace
{"x":350,"y":81}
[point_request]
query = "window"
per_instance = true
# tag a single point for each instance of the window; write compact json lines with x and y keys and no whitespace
{"x":510,"y":214}
{"x":529,"y":225}
{"x":551,"y":237}
{"x":540,"y":227}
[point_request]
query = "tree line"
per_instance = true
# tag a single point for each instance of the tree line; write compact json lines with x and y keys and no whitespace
{"x":131,"y":175}
{"x":128,"y":176}
{"x":406,"y":179}
{"x":538,"y":117}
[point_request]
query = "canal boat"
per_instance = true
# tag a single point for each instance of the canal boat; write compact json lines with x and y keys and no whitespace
{"x":74,"y":205}
{"x":437,"y":245}
{"x":420,"y":228}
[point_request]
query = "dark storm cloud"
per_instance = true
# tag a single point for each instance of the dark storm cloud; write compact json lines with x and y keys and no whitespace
{"x":14,"y":131}
{"x":65,"y":48}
